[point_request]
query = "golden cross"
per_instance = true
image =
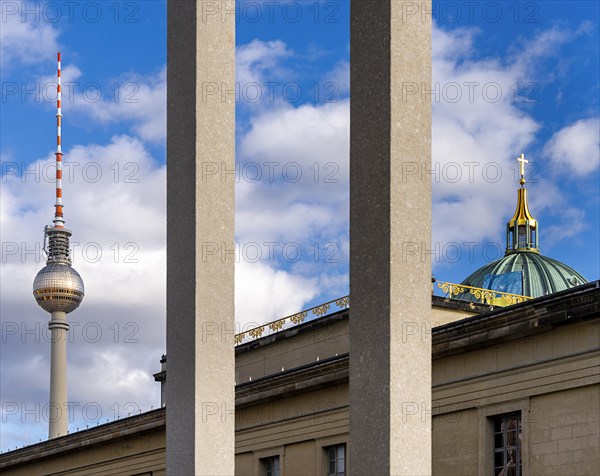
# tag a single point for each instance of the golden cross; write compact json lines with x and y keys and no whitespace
{"x":522,"y":161}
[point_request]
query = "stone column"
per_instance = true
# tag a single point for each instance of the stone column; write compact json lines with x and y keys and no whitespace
{"x":390,"y":234}
{"x":200,"y":237}
{"x":58,"y":415}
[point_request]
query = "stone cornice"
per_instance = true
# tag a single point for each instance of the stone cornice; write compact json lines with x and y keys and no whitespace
{"x":153,"y":420}
{"x":530,"y":317}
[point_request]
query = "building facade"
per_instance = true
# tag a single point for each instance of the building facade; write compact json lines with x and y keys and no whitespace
{"x":516,"y":390}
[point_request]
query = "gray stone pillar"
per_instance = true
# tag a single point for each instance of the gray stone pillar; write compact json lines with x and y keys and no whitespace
{"x":200,"y":237}
{"x":58,"y":414}
{"x":390,"y":233}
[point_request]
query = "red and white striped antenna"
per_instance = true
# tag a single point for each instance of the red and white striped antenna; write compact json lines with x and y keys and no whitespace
{"x":59,"y":221}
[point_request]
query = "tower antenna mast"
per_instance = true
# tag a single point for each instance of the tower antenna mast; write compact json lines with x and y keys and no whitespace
{"x":59,"y":221}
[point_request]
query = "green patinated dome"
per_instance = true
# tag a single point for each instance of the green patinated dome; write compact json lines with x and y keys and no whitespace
{"x":539,"y":275}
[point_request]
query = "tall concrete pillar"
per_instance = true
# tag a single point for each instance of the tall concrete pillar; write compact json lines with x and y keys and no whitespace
{"x":200,"y":237}
{"x":390,"y":233}
{"x":58,"y":416}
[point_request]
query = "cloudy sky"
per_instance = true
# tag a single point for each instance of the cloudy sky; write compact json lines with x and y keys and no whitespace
{"x":508,"y":78}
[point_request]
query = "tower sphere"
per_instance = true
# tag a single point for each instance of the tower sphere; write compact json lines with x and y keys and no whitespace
{"x":58,"y":287}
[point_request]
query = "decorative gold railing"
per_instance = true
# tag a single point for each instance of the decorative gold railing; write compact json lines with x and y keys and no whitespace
{"x":451,"y":290}
{"x":485,"y":296}
{"x":292,"y":320}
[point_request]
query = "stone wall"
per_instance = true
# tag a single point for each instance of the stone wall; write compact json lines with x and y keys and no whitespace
{"x":565,"y":431}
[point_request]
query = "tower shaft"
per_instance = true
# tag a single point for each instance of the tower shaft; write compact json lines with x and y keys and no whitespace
{"x":58,"y":416}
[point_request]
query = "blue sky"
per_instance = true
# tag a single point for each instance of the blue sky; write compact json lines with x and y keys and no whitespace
{"x":508,"y":78}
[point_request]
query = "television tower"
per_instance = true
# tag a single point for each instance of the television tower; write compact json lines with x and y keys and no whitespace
{"x":58,"y":289}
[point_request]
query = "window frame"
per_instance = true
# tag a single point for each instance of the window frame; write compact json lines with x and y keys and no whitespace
{"x":321,"y":445}
{"x":334,"y":449}
{"x":260,"y":456}
{"x":505,"y":447}
{"x":275,"y":461}
{"x":487,"y":415}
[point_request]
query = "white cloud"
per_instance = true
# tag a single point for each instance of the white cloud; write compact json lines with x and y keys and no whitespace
{"x":122,"y":379}
{"x":479,"y":127}
{"x":454,"y":45}
{"x":302,"y":235}
{"x":569,"y":225}
{"x":576,"y":147}
{"x":141,"y":100}
{"x":307,"y":134}
{"x":340,"y":77}
{"x":528,"y":51}
{"x":307,"y":149}
{"x":138,"y":100}
{"x":27,"y":38}
{"x":24,"y":38}
{"x":258,"y":58}
{"x":262,"y":78}
{"x":264,"y":294}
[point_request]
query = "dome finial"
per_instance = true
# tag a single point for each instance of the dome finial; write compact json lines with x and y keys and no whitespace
{"x":522,"y":161}
{"x":522,"y":228}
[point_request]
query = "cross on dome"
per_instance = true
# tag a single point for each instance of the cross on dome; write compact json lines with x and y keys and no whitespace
{"x":522,"y":161}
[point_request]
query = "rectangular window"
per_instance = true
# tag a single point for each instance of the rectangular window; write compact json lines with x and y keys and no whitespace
{"x":507,"y":445}
{"x":337,"y":460}
{"x":271,"y":466}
